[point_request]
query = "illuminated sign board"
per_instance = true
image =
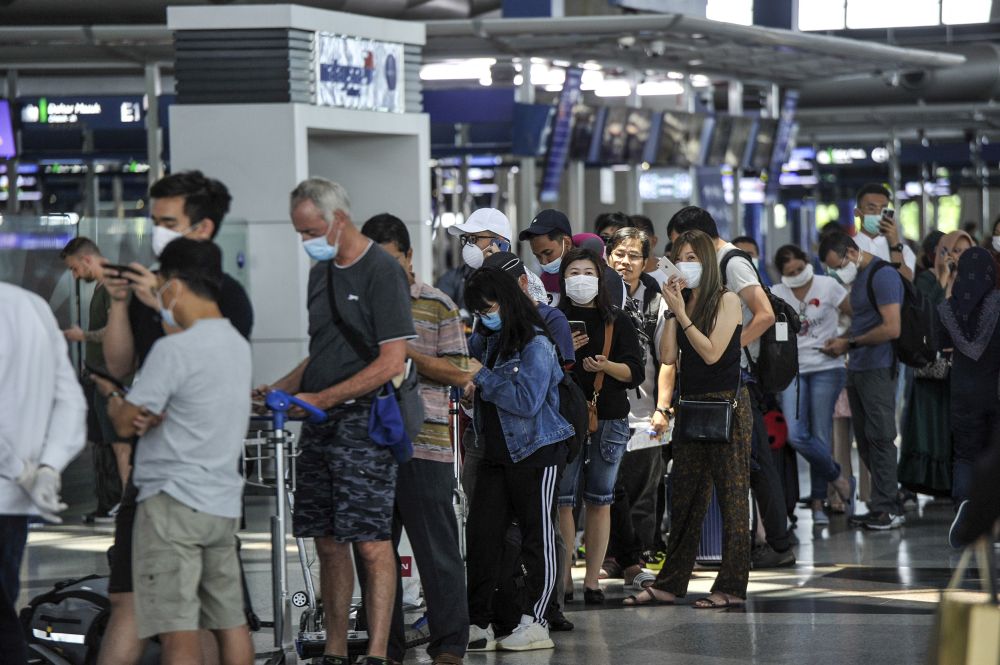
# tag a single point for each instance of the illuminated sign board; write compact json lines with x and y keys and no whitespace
{"x":94,"y":112}
{"x":357,"y":73}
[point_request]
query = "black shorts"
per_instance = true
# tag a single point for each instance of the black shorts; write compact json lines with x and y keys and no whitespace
{"x":346,"y":484}
{"x":120,"y":555}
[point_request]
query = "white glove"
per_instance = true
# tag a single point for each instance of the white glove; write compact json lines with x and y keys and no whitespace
{"x":42,"y":485}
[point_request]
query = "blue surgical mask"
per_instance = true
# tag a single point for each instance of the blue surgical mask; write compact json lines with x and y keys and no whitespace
{"x":552,"y":267}
{"x":870,"y":223}
{"x":320,"y":249}
{"x":492,"y":320}
{"x":167,"y":315}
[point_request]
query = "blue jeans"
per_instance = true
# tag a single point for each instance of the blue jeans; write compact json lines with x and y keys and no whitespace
{"x":13,"y":536}
{"x":598,"y":462}
{"x":810,"y":434}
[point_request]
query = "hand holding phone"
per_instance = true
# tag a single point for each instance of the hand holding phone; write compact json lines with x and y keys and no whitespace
{"x":668,"y":267}
{"x":578,"y":327}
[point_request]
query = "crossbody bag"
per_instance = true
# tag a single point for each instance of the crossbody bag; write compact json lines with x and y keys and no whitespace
{"x":706,"y":420}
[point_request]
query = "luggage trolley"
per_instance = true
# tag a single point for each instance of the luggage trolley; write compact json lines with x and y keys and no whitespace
{"x":276,"y":448}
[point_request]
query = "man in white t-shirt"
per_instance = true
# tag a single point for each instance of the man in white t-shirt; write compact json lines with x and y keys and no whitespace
{"x":190,"y":408}
{"x":878,"y":232}
{"x":741,"y":277}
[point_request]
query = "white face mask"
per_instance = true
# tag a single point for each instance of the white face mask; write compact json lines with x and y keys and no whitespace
{"x":581,"y":289}
{"x":162,"y":236}
{"x":473,"y":256}
{"x":796,"y":281}
{"x":847,"y":274}
{"x":996,"y":243}
{"x":692,"y":273}
{"x":552,"y":267}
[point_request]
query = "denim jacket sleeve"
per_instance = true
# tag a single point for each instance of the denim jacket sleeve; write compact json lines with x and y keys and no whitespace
{"x":520,"y":386}
{"x":477,"y":347}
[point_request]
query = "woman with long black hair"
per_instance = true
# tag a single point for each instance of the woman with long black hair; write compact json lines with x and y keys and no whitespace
{"x":609,"y":364}
{"x":703,"y":337}
{"x":517,"y":421}
{"x":969,"y":325}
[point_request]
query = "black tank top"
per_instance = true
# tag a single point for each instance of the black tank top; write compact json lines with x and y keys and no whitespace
{"x":699,"y":378}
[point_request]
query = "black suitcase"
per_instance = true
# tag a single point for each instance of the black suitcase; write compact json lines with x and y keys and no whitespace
{"x":70,"y":619}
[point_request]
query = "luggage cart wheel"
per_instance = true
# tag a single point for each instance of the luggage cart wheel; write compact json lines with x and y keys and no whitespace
{"x":300,"y":599}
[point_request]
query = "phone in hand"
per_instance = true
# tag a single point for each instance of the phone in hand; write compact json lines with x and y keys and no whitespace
{"x":578,"y":327}
{"x":668,"y":267}
{"x":888,"y":213}
{"x":121,"y":269}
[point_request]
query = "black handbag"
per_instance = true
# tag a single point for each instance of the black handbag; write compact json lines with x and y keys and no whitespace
{"x":706,"y":420}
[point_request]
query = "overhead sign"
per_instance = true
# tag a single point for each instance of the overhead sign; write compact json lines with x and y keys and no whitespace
{"x":559,"y":150}
{"x":95,"y":112}
{"x":356,"y":73}
{"x":712,"y":197}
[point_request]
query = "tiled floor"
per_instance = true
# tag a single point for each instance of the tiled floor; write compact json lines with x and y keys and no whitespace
{"x":853,"y":597}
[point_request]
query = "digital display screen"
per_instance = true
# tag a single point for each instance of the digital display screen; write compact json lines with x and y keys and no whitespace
{"x":721,"y":127}
{"x":8,"y":149}
{"x":615,"y":138}
{"x":680,"y":140}
{"x":584,"y":122}
{"x":739,"y":140}
{"x":763,"y":144}
{"x":637,"y":134}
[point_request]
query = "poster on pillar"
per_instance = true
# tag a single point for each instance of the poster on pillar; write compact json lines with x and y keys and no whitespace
{"x":356,"y":73}
{"x":712,"y":197}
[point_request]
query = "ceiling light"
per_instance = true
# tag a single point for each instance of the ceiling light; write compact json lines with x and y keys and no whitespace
{"x":613,"y":88}
{"x":653,"y":88}
{"x":450,"y":70}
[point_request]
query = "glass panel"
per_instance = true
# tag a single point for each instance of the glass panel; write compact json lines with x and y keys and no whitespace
{"x":892,"y":13}
{"x":965,"y":11}
{"x":730,"y":11}
{"x":821,"y":15}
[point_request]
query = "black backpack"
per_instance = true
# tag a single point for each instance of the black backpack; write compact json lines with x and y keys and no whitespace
{"x":777,"y":364}
{"x":573,"y":407}
{"x":915,"y":345}
{"x":70,"y":619}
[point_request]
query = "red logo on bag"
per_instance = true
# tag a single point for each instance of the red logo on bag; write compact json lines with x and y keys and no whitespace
{"x":405,"y":566}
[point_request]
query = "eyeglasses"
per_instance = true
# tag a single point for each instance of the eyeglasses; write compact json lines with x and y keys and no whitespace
{"x":622,"y":256}
{"x":472,"y":238}
{"x":488,"y":310}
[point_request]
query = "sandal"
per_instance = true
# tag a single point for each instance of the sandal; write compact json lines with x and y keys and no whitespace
{"x":635,"y":600}
{"x":707,"y":603}
{"x":642,"y":580}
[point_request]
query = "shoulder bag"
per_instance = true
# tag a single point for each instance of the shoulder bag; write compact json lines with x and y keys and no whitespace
{"x":397,"y":414}
{"x":708,"y":420}
{"x":609,"y":329}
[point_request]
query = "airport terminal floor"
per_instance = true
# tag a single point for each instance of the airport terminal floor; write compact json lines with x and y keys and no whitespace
{"x":854,"y":596}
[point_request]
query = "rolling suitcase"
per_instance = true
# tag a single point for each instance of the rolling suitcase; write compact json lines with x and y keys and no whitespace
{"x":710,"y":546}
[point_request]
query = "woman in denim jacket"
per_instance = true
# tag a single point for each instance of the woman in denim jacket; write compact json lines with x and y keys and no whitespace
{"x":518,"y":424}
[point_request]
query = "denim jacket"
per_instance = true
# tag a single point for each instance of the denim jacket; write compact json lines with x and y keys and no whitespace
{"x":525,"y":390}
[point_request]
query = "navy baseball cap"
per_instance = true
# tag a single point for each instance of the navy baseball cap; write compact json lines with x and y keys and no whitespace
{"x":505,"y":261}
{"x":545,"y":222}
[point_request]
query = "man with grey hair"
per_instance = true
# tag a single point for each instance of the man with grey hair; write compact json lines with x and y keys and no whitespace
{"x":346,"y":483}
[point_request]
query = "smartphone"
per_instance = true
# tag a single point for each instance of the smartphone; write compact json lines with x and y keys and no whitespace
{"x":888,"y":213}
{"x":107,"y":377}
{"x":120,"y":269}
{"x":578,"y":327}
{"x":668,"y":267}
{"x":502,"y":245}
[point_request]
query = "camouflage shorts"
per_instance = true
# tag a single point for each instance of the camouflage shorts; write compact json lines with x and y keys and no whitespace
{"x":346,"y":483}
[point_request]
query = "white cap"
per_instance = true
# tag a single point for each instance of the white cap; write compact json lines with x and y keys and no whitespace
{"x":484,"y":219}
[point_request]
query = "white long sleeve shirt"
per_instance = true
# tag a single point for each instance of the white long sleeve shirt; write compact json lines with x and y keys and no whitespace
{"x":43,"y":412}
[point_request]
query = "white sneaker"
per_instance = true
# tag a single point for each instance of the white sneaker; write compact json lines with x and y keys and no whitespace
{"x":527,"y":637}
{"x":481,"y":639}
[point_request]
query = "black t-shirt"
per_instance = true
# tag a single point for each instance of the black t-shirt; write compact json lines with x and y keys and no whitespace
{"x":613,"y":400}
{"x":495,"y":445}
{"x":147,"y":327}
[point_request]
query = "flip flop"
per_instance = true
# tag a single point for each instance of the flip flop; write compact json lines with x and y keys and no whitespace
{"x":707,"y":603}
{"x":647,"y":592}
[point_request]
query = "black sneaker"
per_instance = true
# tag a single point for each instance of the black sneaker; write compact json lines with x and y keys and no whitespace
{"x":884,"y":521}
{"x":766,"y":556}
{"x":956,"y":523}
{"x":97,"y":517}
{"x":332,"y":660}
{"x":859,"y":520}
{"x":558,"y":621}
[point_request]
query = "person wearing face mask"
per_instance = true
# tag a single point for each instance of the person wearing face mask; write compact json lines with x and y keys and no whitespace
{"x":345,"y":481}
{"x":609,"y":364}
{"x":522,"y":435}
{"x":992,"y":243}
{"x":486,"y":231}
{"x":702,"y":337}
{"x":551,"y":238}
{"x":949,"y":250}
{"x":190,"y":205}
{"x":878,"y":232}
{"x":749,"y":245}
{"x":871,"y":370}
{"x":807,"y":403}
{"x":190,"y":410}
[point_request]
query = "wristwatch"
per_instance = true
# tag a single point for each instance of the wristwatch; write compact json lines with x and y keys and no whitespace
{"x":667,"y":411}
{"x":898,"y":247}
{"x":852,"y":343}
{"x":115,"y":393}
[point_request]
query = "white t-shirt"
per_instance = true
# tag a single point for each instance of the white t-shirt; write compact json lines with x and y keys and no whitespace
{"x":201,"y":379}
{"x":739,"y":275}
{"x":819,"y":312}
{"x":879,"y":246}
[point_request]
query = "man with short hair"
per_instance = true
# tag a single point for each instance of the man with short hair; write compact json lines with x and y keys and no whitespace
{"x":750,"y":246}
{"x":871,"y":369}
{"x":550,"y":237}
{"x":42,"y":427}
{"x":645,"y":224}
{"x":346,"y":482}
{"x":487,"y":230}
{"x":190,"y":411}
{"x":83,"y":259}
{"x":425,"y":485}
{"x":607,"y":224}
{"x":740,"y":277}
{"x":878,"y":232}
{"x":185,"y":204}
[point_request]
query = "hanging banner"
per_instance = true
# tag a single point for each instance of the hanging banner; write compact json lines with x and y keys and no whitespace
{"x":561,"y":134}
{"x":356,"y":73}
